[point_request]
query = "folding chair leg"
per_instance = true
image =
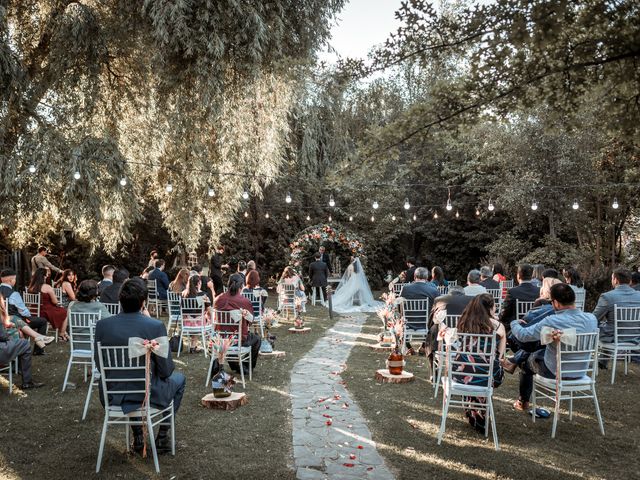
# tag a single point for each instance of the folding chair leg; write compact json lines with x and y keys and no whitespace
{"x":250,"y":368}
{"x":613,"y":367}
{"x":173,"y":432}
{"x":126,"y":436}
{"x":180,"y":343}
{"x":443,"y":423}
{"x":66,"y":376}
{"x":570,"y":406}
{"x":204,"y":343}
{"x":533,"y":403}
{"x":627,"y":355}
{"x":153,"y":444}
{"x":493,"y":425}
{"x":88,"y":400}
{"x":241,"y":370}
{"x":597,"y":405}
{"x":206,"y":380}
{"x":103,"y":437}
{"x":556,"y":413}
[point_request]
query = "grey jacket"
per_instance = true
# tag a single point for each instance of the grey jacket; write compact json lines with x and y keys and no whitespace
{"x":622,"y":296}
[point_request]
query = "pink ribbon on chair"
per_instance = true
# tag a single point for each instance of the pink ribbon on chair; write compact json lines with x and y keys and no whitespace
{"x":138,"y":347}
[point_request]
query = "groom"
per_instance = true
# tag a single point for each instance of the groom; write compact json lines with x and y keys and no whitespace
{"x":319,"y":274}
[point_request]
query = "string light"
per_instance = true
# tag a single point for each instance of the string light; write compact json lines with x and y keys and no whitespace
{"x":615,"y":204}
{"x":330,"y":218}
{"x":332,"y":202}
{"x":435,"y":216}
{"x":288,"y":198}
{"x":266,"y":215}
{"x":76,"y":175}
{"x":308,"y":218}
{"x":287,"y":216}
{"x":169,"y":188}
{"x":246,"y":214}
{"x":245,"y":195}
{"x":534,"y":205}
{"x":449,"y":206}
{"x":407,"y":206}
{"x":491,"y":208}
{"x":350,"y":218}
{"x":415,"y":217}
{"x":477,"y":211}
{"x":575,"y":205}
{"x":457,"y":214}
{"x":375,"y":205}
{"x":393,"y":217}
{"x":123,"y":181}
{"x":211,"y":192}
{"x":373,"y":219}
{"x":32,"y":169}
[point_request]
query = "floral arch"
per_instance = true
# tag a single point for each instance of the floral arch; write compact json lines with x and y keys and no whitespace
{"x":313,"y":237}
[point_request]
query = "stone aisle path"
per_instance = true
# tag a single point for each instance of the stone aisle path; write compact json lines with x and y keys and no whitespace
{"x":331,"y":439}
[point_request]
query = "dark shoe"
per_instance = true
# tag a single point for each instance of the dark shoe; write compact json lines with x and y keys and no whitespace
{"x":138,"y":444}
{"x":603,"y":365}
{"x":422,"y":352}
{"x":163,"y":443}
{"x":30,"y":385}
{"x":245,"y":370}
{"x":37,"y":353}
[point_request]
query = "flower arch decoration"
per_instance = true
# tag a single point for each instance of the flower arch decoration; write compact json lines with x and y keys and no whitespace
{"x":318,"y":234}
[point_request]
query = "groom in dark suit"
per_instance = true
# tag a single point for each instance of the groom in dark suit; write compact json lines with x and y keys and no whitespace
{"x":324,"y":257}
{"x":166,"y":385}
{"x":319,"y":274}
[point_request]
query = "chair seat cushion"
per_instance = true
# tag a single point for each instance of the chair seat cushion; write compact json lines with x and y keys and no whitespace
{"x":242,"y":349}
{"x":82,"y":353}
{"x":116,"y":411}
{"x":551,"y":382}
{"x":463,"y":388}
{"x":621,"y":346}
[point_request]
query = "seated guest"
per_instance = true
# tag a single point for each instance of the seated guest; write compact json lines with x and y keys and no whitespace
{"x":437,"y":277}
{"x":525,"y":291}
{"x":635,"y":280}
{"x":290,"y":277}
{"x":179,"y":284}
{"x":242,"y":270}
{"x":145,"y":273}
{"x":17,"y":328}
{"x":86,"y":301}
{"x":542,"y":308}
{"x":622,"y":295}
{"x":11,"y":348}
{"x":480,"y":318}
{"x":473,"y":287}
{"x":107,"y":278}
{"x":253,"y":286}
{"x":153,"y":256}
{"x":572,"y":277}
{"x":17,"y":308}
{"x":401,"y":278}
{"x":207,"y":283}
{"x":537,"y":276}
{"x":67,"y":282}
{"x":420,"y":289}
{"x":111,"y":294}
{"x":453,"y":303}
{"x":251,"y":265}
{"x":49,"y":308}
{"x":550,"y":272}
{"x":486,"y":279}
{"x":543,"y":361}
{"x":498,"y":273}
{"x":193,"y":318}
{"x":161,"y":278}
{"x":231,"y":300}
{"x":166,"y":385}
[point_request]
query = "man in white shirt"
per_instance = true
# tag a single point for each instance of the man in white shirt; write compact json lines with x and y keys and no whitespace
{"x":473,"y":287}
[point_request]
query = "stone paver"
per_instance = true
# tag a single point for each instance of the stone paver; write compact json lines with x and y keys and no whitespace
{"x":331,"y":439}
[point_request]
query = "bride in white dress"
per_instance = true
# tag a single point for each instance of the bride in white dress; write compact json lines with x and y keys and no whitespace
{"x":353,"y":293}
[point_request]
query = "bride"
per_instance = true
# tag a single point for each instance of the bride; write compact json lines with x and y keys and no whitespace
{"x":353,"y":293}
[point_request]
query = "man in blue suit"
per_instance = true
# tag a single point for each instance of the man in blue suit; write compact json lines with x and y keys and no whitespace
{"x":161,"y":278}
{"x":420,"y":289}
{"x":166,"y":385}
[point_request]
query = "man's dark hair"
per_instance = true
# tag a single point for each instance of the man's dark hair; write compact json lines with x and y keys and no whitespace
{"x":550,"y":273}
{"x":635,"y":277}
{"x":242,"y":265}
{"x":623,"y":275}
{"x":525,"y":271}
{"x":133,"y":294}
{"x":411,"y":260}
{"x":159,"y":263}
{"x":108,"y":269}
{"x":235,"y":284}
{"x":317,"y":256}
{"x":153,"y":252}
{"x":7,"y":272}
{"x":563,"y":294}
{"x":120,"y":275}
{"x":42,"y":249}
{"x":197,"y":268}
{"x":87,"y":291}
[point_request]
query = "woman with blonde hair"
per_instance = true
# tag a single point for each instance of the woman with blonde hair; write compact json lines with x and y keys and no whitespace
{"x":179,"y":284}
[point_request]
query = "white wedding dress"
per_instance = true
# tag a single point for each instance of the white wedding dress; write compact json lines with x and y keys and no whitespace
{"x":353,"y":293}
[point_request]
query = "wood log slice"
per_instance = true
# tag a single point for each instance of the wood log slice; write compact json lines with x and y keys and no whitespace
{"x":384,"y":376}
{"x":300,"y":330}
{"x":235,"y":400}
{"x":274,"y":354}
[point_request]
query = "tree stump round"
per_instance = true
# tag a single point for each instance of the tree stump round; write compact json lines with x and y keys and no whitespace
{"x":274,"y":354}
{"x":384,"y":376}
{"x":378,"y":347}
{"x":299,"y":330}
{"x":231,"y":402}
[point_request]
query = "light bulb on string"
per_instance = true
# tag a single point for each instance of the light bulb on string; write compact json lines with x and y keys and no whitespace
{"x":393,"y":217}
{"x":308,"y":218}
{"x":373,"y":219}
{"x":491,"y":207}
{"x":76,"y":175}
{"x":415,"y":217}
{"x":332,"y":202}
{"x":32,"y":169}
{"x":288,"y":198}
{"x":350,"y":218}
{"x":211,"y":192}
{"x":245,"y":195}
{"x":575,"y":205}
{"x":266,"y":215}
{"x":287,"y":216}
{"x":123,"y":181}
{"x":407,"y":206}
{"x":246,"y":214}
{"x":375,"y":205}
{"x":457,"y":214}
{"x":477,"y":212}
{"x":534,"y":205}
{"x":615,"y":204}
{"x":169,"y":188}
{"x":449,"y":206}
{"x":435,"y":216}
{"x":330,"y":218}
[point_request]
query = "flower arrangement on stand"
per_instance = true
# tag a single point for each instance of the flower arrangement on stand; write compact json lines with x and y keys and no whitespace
{"x":299,"y":320}
{"x":395,"y":362}
{"x":388,"y":313}
{"x":270,"y":319}
{"x":221,"y":382}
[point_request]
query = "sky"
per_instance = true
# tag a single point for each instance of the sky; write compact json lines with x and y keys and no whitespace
{"x":361,"y":25}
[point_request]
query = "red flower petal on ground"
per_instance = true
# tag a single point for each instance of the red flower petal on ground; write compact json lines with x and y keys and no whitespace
{"x":360,"y":447}
{"x":352,"y":456}
{"x":328,"y":423}
{"x":326,"y":415}
{"x":369,"y":469}
{"x":348,"y":465}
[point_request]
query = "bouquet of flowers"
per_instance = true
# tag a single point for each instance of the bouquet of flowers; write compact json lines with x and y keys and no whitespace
{"x":219,"y":347}
{"x":298,"y":322}
{"x":221,"y":381}
{"x":396,"y":327}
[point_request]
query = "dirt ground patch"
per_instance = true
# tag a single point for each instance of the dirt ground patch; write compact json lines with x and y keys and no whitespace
{"x":44,"y":438}
{"x":404,"y":420}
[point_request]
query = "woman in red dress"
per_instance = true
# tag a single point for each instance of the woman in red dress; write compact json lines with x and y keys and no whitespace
{"x":49,"y":308}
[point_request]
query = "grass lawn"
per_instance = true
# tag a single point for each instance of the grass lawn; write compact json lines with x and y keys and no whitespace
{"x":404,"y":420}
{"x":44,"y":438}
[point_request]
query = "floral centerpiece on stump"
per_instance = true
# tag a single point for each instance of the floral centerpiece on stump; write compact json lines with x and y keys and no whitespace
{"x":270,"y":319}
{"x":221,"y":382}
